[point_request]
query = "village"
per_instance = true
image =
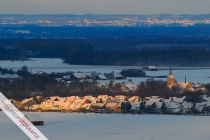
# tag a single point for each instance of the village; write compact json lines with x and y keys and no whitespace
{"x":117,"y":104}
{"x":120,"y":103}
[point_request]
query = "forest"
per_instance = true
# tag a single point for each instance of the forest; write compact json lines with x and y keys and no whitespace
{"x":124,"y":52}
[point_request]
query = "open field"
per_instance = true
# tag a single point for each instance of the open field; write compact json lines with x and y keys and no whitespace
{"x":193,"y":74}
{"x":75,"y":126}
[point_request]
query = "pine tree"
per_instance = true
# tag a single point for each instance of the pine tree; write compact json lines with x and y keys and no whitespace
{"x":143,"y":106}
{"x":163,"y":108}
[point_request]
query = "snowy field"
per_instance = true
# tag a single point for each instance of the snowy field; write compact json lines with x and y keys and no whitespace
{"x":75,"y":126}
{"x":193,"y":74}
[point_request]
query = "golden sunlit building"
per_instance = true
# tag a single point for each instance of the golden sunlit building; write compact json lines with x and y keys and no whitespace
{"x":171,"y":82}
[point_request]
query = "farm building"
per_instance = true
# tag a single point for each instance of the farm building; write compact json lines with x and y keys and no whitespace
{"x":151,"y":68}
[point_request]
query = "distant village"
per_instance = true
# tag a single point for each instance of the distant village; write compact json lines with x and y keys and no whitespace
{"x":117,"y":104}
{"x":128,"y":103}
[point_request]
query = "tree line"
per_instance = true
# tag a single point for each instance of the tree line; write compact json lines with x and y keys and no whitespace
{"x":44,"y":85}
{"x":85,"y":52}
{"x":179,"y":57}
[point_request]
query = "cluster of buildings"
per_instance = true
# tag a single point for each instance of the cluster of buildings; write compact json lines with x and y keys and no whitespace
{"x":106,"y":103}
{"x":105,"y":20}
{"x":183,"y":85}
{"x":103,"y":81}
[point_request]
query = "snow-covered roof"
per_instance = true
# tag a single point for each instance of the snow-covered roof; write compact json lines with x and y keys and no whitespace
{"x":67,"y":77}
{"x":118,"y":75}
{"x":184,"y":85}
{"x":158,"y":104}
{"x":120,"y":97}
{"x":98,"y":105}
{"x":187,"y":105}
{"x":155,"y":99}
{"x":149,"y":103}
{"x":178,"y":100}
{"x":27,"y":100}
{"x":111,"y":104}
{"x":58,"y":79}
{"x":147,"y":98}
{"x":200,"y":106}
{"x":80,"y":75}
{"x":205,"y":98}
{"x":102,"y":96}
{"x":173,"y":105}
{"x":176,"y":110}
{"x":68,"y":82}
{"x":102,"y":77}
{"x":129,"y":86}
{"x":133,"y":99}
{"x":151,"y":67}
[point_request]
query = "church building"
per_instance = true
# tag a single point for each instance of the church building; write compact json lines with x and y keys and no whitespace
{"x":183,"y":85}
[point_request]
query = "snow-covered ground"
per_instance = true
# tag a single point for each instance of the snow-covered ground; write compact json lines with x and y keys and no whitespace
{"x":75,"y":126}
{"x":193,"y":74}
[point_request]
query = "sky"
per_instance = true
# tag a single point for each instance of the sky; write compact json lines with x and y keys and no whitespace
{"x":104,"y":6}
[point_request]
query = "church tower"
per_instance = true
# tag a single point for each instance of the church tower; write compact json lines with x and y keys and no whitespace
{"x":170,"y":79}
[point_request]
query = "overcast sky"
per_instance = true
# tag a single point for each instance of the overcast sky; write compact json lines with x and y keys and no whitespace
{"x":104,"y":6}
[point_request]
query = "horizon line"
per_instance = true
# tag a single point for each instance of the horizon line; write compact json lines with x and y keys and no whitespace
{"x":105,"y":14}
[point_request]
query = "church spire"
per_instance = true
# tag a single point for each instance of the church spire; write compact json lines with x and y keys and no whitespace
{"x":170,"y":71}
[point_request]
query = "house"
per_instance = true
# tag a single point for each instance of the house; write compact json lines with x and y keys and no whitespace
{"x":177,"y":100}
{"x":38,"y":73}
{"x":134,"y":99}
{"x":28,"y":102}
{"x":91,"y":99}
{"x":99,"y":107}
{"x":67,"y":78}
{"x":135,"y":106}
{"x":102,"y":98}
{"x":119,"y":99}
{"x":76,"y":105}
{"x":60,"y":80}
{"x":45,"y":105}
{"x":101,"y":77}
{"x":118,"y":76}
{"x":87,"y":106}
{"x":205,"y":98}
{"x":153,"y":105}
{"x":34,"y":107}
{"x":85,"y":80}
{"x":186,"y":107}
{"x":129,"y":86}
{"x":79,"y":76}
{"x":110,"y":99}
{"x":174,"y":108}
{"x":113,"y":106}
{"x":203,"y":106}
{"x":167,"y":101}
{"x":155,"y":99}
{"x":55,"y":103}
{"x":151,"y":68}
